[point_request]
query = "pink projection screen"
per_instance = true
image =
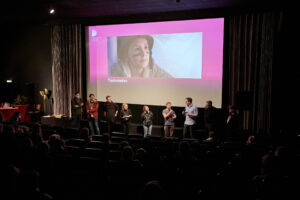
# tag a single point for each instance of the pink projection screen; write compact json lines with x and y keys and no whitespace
{"x":152,"y":63}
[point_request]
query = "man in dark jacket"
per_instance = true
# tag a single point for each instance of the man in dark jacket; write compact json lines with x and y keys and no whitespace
{"x":232,"y":126}
{"x":110,"y":113}
{"x":210,"y":119}
{"x":76,"y":105}
{"x":210,"y":116}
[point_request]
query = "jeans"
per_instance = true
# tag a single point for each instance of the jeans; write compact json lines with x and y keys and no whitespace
{"x":188,"y":128}
{"x":169,"y":130}
{"x":147,"y":130}
{"x":94,"y":126}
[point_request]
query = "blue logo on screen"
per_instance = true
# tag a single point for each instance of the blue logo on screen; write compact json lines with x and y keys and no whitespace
{"x":94,"y":33}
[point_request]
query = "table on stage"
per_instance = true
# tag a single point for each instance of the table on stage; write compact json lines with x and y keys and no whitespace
{"x":8,"y":112}
{"x":23,"y":111}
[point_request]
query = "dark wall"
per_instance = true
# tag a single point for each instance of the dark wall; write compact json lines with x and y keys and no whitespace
{"x":286,"y":98}
{"x":26,"y":58}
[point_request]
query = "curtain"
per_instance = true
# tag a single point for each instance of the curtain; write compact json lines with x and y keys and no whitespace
{"x":66,"y":66}
{"x":251,"y":49}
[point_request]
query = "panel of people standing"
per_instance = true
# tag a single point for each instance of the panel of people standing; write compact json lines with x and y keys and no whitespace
{"x":111,"y":111}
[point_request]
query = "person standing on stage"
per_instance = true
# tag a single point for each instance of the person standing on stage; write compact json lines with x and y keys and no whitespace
{"x":169,"y":116}
{"x":190,"y":112}
{"x":210,"y":116}
{"x":92,"y":107}
{"x":210,"y":119}
{"x":76,"y":106}
{"x":147,"y":117}
{"x":232,"y":126}
{"x":126,"y":116}
{"x":110,"y":113}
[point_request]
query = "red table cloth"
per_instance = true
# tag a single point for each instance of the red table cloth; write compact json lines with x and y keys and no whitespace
{"x":22,"y":110}
{"x":7,"y":113}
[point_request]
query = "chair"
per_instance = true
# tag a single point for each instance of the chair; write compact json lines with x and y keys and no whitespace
{"x":153,"y":137}
{"x":175,"y":139}
{"x":190,"y":139}
{"x":135,"y":136}
{"x":114,"y":145}
{"x":114,"y":155}
{"x":95,"y":144}
{"x":117,"y":139}
{"x":92,"y":153}
{"x":118,"y":134}
{"x":70,"y":133}
{"x":156,"y":143}
{"x":73,"y":150}
{"x":76,"y":142}
{"x":97,"y":138}
{"x":135,"y":141}
{"x":35,"y":114}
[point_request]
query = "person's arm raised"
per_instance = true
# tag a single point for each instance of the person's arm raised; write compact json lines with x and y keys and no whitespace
{"x":174,"y":116}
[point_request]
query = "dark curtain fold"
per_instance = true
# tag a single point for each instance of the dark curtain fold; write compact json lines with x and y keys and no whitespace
{"x":251,"y":50}
{"x":66,"y":65}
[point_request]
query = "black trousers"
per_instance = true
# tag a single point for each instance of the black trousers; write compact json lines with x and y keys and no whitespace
{"x":126,"y":126}
{"x":76,"y":121}
{"x":110,"y":126}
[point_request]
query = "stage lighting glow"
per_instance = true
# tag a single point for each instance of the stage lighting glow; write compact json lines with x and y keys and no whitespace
{"x":52,"y":11}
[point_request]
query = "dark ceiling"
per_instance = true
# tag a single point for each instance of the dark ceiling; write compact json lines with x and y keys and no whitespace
{"x":38,"y":10}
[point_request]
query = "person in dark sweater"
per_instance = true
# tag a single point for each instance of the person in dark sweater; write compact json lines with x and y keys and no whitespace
{"x":147,"y":117}
{"x":210,"y":119}
{"x":232,"y":125}
{"x":126,"y":116}
{"x":110,"y":113}
{"x":169,"y":116}
{"x":76,"y":105}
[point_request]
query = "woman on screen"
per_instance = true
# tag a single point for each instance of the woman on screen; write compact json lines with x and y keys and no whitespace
{"x":147,"y":117}
{"x":135,"y":58}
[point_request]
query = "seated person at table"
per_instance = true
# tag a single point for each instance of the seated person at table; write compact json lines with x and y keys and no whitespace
{"x":18,"y":101}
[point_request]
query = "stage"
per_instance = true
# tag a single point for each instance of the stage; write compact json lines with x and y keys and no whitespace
{"x":135,"y":128}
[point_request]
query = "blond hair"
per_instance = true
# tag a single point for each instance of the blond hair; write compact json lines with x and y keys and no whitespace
{"x":144,"y":108}
{"x":123,"y":105}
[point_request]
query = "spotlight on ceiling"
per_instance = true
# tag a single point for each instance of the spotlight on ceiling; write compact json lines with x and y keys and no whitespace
{"x":51,"y":11}
{"x":8,"y":81}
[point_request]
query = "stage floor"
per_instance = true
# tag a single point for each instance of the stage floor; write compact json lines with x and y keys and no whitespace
{"x":157,"y":130}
